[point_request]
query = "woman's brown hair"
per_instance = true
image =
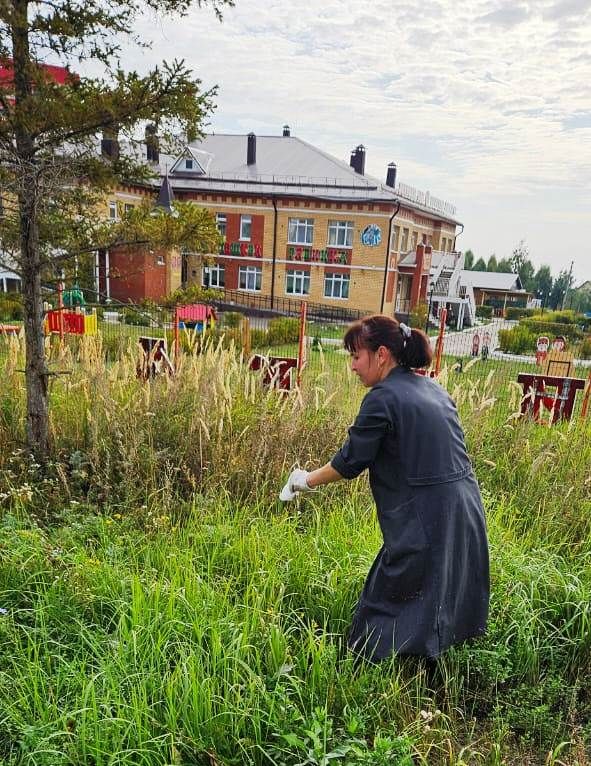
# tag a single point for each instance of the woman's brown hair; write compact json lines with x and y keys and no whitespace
{"x":410,"y":347}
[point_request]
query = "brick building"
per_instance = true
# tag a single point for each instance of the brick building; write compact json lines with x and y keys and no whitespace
{"x":297,"y":223}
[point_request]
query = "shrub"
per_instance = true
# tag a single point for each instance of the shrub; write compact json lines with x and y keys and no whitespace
{"x":258,"y":338}
{"x":517,"y":312}
{"x":568,"y":316}
{"x":418,"y":316}
{"x":231,"y":319}
{"x":584,"y":350}
{"x":518,"y":340}
{"x":11,"y":307}
{"x":136,"y":318}
{"x":485,"y":312}
{"x":545,"y":327}
{"x":283,"y":330}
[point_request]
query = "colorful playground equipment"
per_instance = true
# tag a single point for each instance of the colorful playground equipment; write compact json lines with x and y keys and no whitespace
{"x":76,"y":322}
{"x":70,"y":317}
{"x":195,"y":316}
{"x":554,"y":390}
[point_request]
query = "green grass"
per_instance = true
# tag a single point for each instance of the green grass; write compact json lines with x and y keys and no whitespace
{"x":161,"y":606}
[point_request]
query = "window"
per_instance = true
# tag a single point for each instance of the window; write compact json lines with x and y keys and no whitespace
{"x":336,"y":285}
{"x":189,"y":164}
{"x":213,"y":276}
{"x":340,"y":233}
{"x":113,"y":215}
{"x":443,"y":243}
{"x":220,"y":222}
{"x":300,"y":231}
{"x":128,"y":207}
{"x":245,"y":226}
{"x":404,"y":243}
{"x":395,"y":238}
{"x":297,"y":282}
{"x":415,"y":237}
{"x":249,"y":278}
{"x":160,"y":260}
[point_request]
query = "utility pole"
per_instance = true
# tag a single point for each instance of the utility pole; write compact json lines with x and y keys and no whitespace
{"x":568,"y":284}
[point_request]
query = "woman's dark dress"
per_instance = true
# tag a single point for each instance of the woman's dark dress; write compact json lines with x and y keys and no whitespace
{"x":429,"y":585}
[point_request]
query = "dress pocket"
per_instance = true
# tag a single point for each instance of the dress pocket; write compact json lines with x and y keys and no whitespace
{"x":405,"y":553}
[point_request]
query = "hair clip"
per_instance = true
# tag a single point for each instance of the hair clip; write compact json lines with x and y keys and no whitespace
{"x":405,"y":330}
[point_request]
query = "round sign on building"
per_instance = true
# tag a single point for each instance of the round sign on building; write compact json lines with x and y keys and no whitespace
{"x":371,"y":236}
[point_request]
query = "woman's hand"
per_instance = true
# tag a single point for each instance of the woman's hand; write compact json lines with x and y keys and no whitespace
{"x":296,"y":483}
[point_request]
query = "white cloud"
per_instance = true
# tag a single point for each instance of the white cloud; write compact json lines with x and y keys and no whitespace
{"x":483,"y":104}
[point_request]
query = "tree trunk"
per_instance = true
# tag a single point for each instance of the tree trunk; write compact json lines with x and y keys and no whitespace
{"x":36,"y":367}
{"x":28,"y":197}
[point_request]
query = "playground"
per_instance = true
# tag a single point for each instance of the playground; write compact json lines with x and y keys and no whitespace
{"x":549,"y":361}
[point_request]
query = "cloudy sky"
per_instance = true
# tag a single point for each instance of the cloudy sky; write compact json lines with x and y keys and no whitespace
{"x":484,"y":104}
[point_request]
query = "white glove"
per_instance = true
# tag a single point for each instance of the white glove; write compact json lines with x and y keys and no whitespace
{"x":297,"y":482}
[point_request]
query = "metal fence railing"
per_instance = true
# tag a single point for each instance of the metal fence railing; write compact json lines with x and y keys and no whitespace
{"x":528,"y":351}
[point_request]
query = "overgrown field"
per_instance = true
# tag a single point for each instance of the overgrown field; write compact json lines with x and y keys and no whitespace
{"x":158,"y":605}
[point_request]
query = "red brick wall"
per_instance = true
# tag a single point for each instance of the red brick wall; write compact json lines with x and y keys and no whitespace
{"x":257,"y":235}
{"x":135,"y":275}
{"x":390,"y":286}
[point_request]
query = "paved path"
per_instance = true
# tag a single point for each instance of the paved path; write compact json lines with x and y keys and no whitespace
{"x":460,"y":343}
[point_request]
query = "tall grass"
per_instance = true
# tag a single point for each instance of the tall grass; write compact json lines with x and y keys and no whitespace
{"x":159,"y":606}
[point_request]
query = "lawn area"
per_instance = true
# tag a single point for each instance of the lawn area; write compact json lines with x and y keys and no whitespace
{"x":158,"y":605}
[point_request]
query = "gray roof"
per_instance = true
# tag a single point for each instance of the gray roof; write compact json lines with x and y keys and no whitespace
{"x":285,"y":166}
{"x":491,"y":280}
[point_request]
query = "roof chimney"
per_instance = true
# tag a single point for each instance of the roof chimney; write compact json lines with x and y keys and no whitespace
{"x":251,"y":152}
{"x":391,"y":175}
{"x":152,"y":146}
{"x":357,"y":161}
{"x":286,"y":130}
{"x":110,"y":143}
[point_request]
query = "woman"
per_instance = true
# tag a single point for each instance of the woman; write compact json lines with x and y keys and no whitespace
{"x":429,"y":585}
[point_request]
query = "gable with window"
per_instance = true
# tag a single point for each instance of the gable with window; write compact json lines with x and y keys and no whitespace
{"x":300,"y":231}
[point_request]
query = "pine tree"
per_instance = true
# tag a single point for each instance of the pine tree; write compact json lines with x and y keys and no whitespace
{"x":50,"y":173}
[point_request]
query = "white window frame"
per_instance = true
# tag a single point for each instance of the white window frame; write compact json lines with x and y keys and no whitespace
{"x":253,"y":279}
{"x":113,"y":211}
{"x":245,"y":220}
{"x":221,"y":222}
{"x":300,"y":282}
{"x":340,"y":234}
{"x":395,"y":238}
{"x":404,"y":240}
{"x":217,"y":276}
{"x":300,"y":231}
{"x":188,"y":163}
{"x":334,"y":280}
{"x":128,"y":207}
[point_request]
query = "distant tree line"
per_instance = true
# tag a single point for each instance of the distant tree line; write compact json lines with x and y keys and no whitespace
{"x":554,"y":292}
